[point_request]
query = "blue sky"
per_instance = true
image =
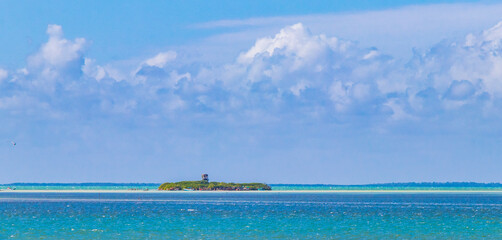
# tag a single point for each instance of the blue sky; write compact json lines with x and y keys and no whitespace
{"x":339,"y":92}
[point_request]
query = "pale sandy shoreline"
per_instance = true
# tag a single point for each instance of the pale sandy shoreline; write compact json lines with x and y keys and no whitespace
{"x":261,"y":192}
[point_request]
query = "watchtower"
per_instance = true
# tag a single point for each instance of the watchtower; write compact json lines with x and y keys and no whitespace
{"x":205,"y":177}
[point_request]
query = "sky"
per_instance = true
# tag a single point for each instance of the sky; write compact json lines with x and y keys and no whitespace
{"x":331,"y":92}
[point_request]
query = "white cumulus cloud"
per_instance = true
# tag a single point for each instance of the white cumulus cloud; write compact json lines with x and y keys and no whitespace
{"x":57,"y":60}
{"x":292,"y":72}
{"x":161,"y":59}
{"x":58,"y":52}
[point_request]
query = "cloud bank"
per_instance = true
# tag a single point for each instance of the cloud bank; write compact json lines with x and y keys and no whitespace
{"x":293,"y":75}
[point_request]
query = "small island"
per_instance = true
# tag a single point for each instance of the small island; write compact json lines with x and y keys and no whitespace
{"x":205,"y":185}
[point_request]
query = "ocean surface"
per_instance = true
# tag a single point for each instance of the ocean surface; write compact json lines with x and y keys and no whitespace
{"x":250,"y":215}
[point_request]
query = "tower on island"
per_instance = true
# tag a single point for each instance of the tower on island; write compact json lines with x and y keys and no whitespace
{"x":205,"y":177}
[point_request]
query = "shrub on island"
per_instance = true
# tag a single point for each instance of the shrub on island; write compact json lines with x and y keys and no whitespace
{"x":213,"y":186}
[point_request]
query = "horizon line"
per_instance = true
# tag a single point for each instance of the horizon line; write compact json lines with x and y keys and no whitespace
{"x":304,"y":184}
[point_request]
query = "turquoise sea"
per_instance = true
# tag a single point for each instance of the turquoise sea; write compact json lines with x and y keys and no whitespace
{"x":250,"y":215}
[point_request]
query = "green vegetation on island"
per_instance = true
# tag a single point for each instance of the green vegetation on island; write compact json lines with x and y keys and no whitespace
{"x":205,"y":185}
{"x":213,"y":186}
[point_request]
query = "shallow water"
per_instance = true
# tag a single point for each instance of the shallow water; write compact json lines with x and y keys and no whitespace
{"x":255,"y":215}
{"x":276,"y":187}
